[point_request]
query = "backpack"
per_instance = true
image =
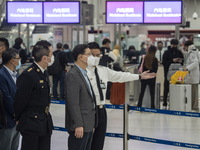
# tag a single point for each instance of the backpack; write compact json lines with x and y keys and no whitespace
{"x":55,"y":68}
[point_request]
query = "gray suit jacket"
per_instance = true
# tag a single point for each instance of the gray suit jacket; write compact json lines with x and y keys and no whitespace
{"x":80,"y":104}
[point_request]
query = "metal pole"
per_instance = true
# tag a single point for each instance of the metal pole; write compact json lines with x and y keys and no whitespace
{"x":19,"y":30}
{"x":28,"y":39}
{"x":125,"y":118}
{"x":78,"y":34}
{"x":177,"y":31}
{"x":115,"y":34}
{"x":119,"y":35}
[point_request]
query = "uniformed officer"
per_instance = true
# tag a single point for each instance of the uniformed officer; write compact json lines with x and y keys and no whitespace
{"x":32,"y":101}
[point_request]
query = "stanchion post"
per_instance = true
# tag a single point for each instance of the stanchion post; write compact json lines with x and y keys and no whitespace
{"x":125,"y":118}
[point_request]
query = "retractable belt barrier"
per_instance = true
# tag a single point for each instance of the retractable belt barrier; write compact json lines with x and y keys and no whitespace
{"x":143,"y":109}
{"x":140,"y":138}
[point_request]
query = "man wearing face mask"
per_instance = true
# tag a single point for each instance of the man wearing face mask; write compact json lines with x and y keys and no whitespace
{"x":172,"y":55}
{"x":32,"y":100}
{"x":80,"y":101}
{"x":9,"y":137}
{"x":160,"y":51}
{"x":99,"y":76}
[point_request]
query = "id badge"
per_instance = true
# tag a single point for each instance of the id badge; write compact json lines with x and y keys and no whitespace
{"x":103,"y":86}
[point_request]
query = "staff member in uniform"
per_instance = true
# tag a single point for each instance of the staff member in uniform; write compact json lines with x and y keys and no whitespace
{"x":80,"y":101}
{"x":32,"y":101}
{"x":99,"y":76}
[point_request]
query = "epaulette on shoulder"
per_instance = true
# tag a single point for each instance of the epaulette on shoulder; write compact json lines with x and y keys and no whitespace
{"x":30,"y":69}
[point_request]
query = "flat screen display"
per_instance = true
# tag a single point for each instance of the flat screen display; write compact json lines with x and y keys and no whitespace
{"x":62,"y":12}
{"x":24,"y":12}
{"x":163,"y":12}
{"x":124,"y":12}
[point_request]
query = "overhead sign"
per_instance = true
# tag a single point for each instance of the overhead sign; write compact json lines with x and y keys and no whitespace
{"x":163,"y":12}
{"x":124,"y":12}
{"x":61,"y":12}
{"x":24,"y":12}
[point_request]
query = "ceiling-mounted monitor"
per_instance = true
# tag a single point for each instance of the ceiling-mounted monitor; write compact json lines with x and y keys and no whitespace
{"x":163,"y":12}
{"x":125,"y":12}
{"x":24,"y":12}
{"x":62,"y":12}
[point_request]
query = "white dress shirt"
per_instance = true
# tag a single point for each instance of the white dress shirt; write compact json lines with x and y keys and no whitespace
{"x":12,"y":73}
{"x":105,"y":75}
{"x":39,"y":67}
{"x":160,"y":53}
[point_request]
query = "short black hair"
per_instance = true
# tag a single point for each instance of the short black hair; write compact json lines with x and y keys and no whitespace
{"x":8,"y":55}
{"x":188,"y":43}
{"x":105,"y":41}
{"x":174,"y":42}
{"x":40,"y":49}
{"x":160,"y":42}
{"x":5,"y":42}
{"x":18,"y":41}
{"x":131,"y":47}
{"x":79,"y":49}
{"x":43,"y":43}
{"x":66,"y":46}
{"x":93,"y":45}
{"x":59,"y":45}
{"x":142,"y":44}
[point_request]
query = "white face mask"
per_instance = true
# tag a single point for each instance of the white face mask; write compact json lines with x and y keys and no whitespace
{"x":91,"y":61}
{"x":97,"y":59}
{"x":52,"y":61}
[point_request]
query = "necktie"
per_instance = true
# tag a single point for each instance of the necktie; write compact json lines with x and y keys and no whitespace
{"x":160,"y":57}
{"x":98,"y":84}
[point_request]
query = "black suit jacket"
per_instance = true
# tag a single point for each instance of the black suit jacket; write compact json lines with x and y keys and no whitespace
{"x":31,"y":100}
{"x":8,"y":89}
{"x":2,"y":111}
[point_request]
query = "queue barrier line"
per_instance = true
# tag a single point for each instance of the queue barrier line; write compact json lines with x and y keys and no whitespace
{"x":143,"y":109}
{"x":145,"y":139}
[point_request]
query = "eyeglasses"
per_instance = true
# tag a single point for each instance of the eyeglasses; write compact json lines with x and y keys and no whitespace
{"x":16,"y":58}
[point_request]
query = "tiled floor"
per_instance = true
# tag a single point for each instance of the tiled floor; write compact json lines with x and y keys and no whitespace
{"x":166,"y":127}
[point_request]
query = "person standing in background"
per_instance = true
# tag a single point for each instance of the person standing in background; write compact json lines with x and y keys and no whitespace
{"x":160,"y":51}
{"x":150,"y":63}
{"x":143,"y":50}
{"x":118,"y":64}
{"x":32,"y":100}
{"x":107,"y":60}
{"x":61,"y":76}
{"x":192,"y":66}
{"x":108,"y":57}
{"x":172,"y":55}
{"x":9,"y":137}
{"x":133,"y":55}
{"x":22,"y":52}
{"x":80,"y":101}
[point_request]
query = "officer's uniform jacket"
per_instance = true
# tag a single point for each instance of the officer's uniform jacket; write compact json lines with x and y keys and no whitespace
{"x":32,"y":102}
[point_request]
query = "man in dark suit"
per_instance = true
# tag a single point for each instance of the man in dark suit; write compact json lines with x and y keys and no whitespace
{"x":80,"y":101}
{"x":4,"y":45}
{"x":32,"y":101}
{"x":9,"y":137}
